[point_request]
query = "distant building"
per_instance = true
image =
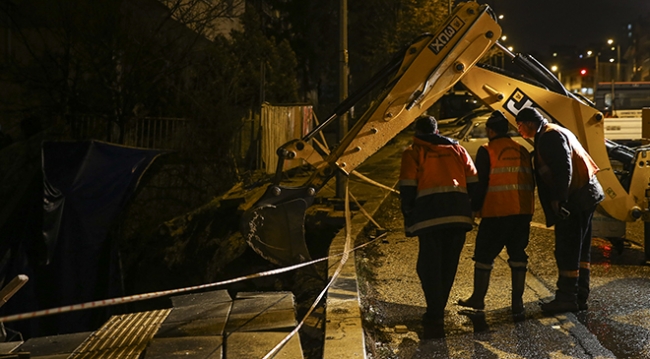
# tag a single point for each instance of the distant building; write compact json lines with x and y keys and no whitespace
{"x":625,"y":59}
{"x":639,"y":52}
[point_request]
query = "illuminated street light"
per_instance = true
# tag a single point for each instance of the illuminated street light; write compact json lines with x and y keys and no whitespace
{"x":618,"y":57}
{"x":589,"y":53}
{"x":501,"y":17}
{"x":503,"y":38}
{"x":556,"y":69}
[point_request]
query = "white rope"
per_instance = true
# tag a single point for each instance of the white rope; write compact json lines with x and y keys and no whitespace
{"x":151,"y":295}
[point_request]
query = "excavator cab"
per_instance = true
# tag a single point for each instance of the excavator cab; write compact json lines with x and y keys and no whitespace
{"x":413,"y":81}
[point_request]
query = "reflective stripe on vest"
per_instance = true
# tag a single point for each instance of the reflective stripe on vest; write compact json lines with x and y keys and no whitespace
{"x":441,"y":174}
{"x":408,"y":182}
{"x":511,"y":184}
{"x":439,"y":221}
{"x":441,"y":189}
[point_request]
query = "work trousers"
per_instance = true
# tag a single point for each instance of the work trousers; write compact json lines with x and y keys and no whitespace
{"x":573,"y":240}
{"x":511,"y":232}
{"x":573,"y":256}
{"x":437,"y":264}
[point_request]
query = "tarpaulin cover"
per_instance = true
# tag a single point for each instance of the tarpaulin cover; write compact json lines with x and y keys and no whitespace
{"x":86,"y":185}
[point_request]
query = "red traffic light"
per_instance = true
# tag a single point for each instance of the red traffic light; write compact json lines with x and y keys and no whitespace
{"x":583,"y":72}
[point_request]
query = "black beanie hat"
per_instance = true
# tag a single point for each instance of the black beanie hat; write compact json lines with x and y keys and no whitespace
{"x":426,"y":125}
{"x":529,"y":114}
{"x":497,"y":120}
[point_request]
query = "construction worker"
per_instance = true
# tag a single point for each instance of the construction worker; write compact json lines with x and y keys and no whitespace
{"x":569,"y":193}
{"x":436,"y":173}
{"x":504,"y":199}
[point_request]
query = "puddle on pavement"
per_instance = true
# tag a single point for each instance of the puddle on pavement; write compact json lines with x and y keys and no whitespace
{"x":619,"y":251}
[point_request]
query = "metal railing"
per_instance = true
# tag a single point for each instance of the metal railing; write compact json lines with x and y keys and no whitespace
{"x":156,"y":132}
{"x":143,"y":132}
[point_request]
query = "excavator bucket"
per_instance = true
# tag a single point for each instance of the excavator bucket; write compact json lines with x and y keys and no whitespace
{"x":274,"y":227}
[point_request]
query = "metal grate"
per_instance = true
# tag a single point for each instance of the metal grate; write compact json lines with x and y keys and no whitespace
{"x":123,"y":336}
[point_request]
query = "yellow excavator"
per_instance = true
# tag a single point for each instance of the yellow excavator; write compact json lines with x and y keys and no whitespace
{"x":413,"y":81}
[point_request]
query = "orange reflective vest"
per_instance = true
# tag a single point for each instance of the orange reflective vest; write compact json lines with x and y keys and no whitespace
{"x":584,"y":167}
{"x":511,"y":183}
{"x":433,"y":185}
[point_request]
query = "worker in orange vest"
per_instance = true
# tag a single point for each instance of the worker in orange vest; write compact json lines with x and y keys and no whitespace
{"x":436,"y":175}
{"x":504,"y":200}
{"x":569,"y":192}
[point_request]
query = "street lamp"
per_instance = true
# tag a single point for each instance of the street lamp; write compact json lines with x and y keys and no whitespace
{"x":556,"y":69}
{"x":610,"y":42}
{"x":595,"y":54}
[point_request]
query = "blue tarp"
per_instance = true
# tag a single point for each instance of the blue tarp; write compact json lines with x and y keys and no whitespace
{"x":85,"y":186}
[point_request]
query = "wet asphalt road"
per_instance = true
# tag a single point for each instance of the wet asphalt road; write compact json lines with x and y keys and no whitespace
{"x":616,"y":325}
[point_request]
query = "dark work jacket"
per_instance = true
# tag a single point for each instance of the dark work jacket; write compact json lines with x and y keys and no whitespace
{"x":564,"y":172}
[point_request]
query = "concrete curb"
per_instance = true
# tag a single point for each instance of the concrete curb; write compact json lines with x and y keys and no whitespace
{"x":344,"y":335}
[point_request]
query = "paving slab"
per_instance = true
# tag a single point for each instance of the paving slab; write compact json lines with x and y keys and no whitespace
{"x":264,"y":301}
{"x":203,"y":347}
{"x":9,"y":347}
{"x":52,"y":345}
{"x":239,"y":345}
{"x":207,"y":298}
{"x":262,"y":311}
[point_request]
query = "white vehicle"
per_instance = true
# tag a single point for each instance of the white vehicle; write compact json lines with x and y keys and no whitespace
{"x":449,"y":126}
{"x":622,"y":104}
{"x":474,"y":135}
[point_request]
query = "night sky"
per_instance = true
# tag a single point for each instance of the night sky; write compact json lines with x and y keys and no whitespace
{"x":533,"y":26}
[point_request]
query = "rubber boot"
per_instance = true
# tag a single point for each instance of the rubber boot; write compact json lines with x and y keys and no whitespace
{"x":433,"y":329}
{"x":518,"y":286}
{"x":566,"y":297}
{"x":477,"y":299}
{"x":583,"y":288}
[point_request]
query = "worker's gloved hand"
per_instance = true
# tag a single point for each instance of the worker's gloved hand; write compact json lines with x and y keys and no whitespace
{"x":408,"y":222}
{"x":560,"y":209}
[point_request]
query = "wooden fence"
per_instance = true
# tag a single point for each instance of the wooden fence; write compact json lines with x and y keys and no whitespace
{"x":280,"y":124}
